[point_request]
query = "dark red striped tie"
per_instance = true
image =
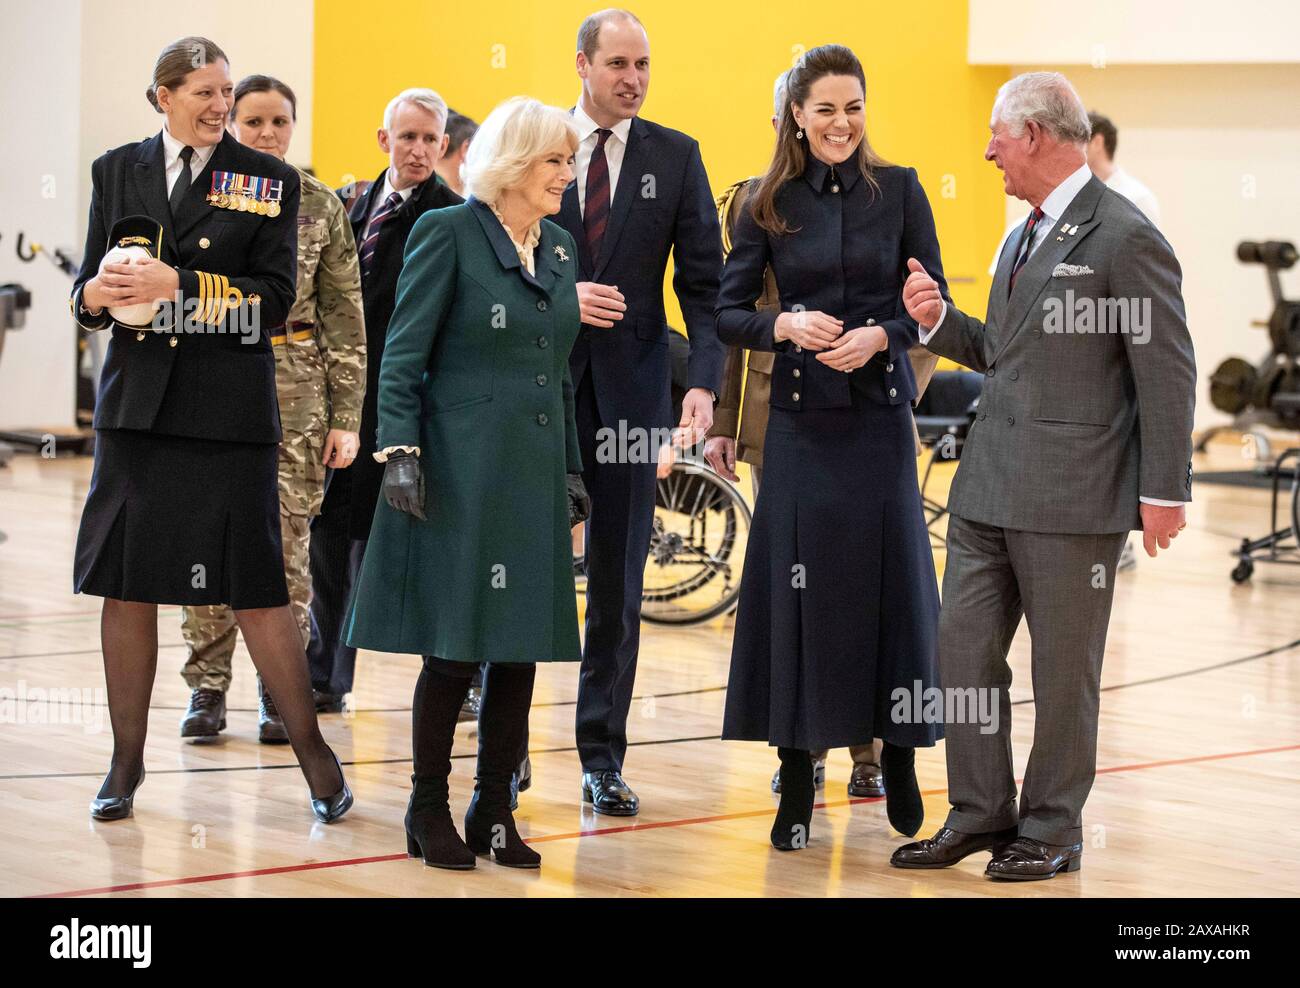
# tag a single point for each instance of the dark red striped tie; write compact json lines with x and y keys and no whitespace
{"x":1026,"y":242}
{"x":367,"y":252}
{"x":596,"y":213}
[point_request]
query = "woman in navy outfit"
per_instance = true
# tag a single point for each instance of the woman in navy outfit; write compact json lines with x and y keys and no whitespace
{"x":183,"y":506}
{"x":838,"y":602}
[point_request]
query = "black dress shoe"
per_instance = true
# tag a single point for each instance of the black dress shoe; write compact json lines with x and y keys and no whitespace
{"x":115,"y":807}
{"x":1029,"y":860}
{"x":330,"y":808}
{"x":819,"y":775}
{"x":608,"y":794}
{"x":270,"y":727}
{"x":947,"y":847}
{"x":205,"y":717}
{"x":328,"y":703}
{"x":473,"y":700}
{"x":520,"y":780}
{"x":525,"y":774}
{"x":866,"y":782}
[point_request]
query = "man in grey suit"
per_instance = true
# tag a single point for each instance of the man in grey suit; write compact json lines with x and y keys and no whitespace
{"x":1083,"y":433}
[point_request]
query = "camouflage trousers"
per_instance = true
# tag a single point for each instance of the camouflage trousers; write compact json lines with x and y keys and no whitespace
{"x":304,"y":420}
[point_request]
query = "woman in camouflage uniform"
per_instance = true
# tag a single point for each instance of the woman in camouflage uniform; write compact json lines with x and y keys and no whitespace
{"x":320,"y":365}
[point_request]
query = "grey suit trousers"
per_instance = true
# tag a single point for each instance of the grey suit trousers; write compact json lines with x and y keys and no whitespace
{"x":1063,"y":584}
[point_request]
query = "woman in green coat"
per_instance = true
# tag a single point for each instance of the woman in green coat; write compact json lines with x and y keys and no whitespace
{"x":469,"y":558}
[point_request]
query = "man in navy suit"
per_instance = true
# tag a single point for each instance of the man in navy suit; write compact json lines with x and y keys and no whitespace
{"x":413,"y":137}
{"x":640,"y":192}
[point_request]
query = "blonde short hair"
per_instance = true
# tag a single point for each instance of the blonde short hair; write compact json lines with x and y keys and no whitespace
{"x":513,"y":136}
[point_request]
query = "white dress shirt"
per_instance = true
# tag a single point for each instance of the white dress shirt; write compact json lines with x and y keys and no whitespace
{"x":1135,"y":192}
{"x":172,"y":159}
{"x":378,"y":201}
{"x":615,"y":146}
{"x":1053,"y":207}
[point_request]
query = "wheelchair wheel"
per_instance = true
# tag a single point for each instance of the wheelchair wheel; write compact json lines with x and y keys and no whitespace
{"x":697,"y":547}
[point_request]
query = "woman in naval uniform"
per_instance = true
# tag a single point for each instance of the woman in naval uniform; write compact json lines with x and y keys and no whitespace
{"x":183,"y":506}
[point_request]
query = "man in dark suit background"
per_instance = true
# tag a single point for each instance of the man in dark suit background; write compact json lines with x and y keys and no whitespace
{"x":413,"y":136}
{"x":641,"y":191}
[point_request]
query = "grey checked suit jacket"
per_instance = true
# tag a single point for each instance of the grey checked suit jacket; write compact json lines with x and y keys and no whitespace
{"x":1074,"y":426}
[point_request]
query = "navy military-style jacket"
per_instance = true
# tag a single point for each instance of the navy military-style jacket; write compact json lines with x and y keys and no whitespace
{"x":846,"y":255}
{"x":237,"y":270}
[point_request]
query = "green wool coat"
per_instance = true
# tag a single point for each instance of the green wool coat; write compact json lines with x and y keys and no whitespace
{"x":475,"y":373}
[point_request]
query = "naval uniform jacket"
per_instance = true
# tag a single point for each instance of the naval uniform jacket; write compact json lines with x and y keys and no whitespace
{"x":237,"y":276}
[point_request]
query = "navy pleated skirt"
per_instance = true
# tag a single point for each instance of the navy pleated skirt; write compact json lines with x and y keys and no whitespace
{"x":838,"y":605}
{"x":176,"y":520}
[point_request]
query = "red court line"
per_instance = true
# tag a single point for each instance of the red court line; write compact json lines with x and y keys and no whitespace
{"x":603,"y":831}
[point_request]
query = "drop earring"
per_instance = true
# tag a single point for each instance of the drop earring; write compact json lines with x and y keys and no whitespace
{"x":798,"y":135}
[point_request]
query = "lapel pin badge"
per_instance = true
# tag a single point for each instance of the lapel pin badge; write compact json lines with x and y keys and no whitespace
{"x":1074,"y":229}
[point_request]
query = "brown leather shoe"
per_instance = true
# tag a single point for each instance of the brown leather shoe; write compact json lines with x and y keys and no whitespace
{"x":1029,"y":860}
{"x":866,"y":782}
{"x":947,"y":847}
{"x":270,"y":726}
{"x":206,"y":715}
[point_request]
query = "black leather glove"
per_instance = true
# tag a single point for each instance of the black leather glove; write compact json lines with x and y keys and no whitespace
{"x":404,"y":484}
{"x":579,"y":499}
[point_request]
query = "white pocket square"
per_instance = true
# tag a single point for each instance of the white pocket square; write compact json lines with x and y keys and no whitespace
{"x":1071,"y":270}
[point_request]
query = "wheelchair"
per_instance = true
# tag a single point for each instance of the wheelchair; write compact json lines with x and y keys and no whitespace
{"x":698,"y":537}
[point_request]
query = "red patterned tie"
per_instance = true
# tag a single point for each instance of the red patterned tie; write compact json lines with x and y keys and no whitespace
{"x":596,"y":214}
{"x":1026,"y":241}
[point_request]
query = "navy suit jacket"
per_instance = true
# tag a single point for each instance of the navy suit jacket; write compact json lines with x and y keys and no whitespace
{"x":218,"y":383}
{"x":359,"y":489}
{"x":662,"y":204}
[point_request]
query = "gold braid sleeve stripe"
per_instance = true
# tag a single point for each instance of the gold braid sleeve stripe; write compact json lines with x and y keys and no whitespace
{"x":205,"y":295}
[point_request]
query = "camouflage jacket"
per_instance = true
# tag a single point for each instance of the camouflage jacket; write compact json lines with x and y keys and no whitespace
{"x":329,"y":298}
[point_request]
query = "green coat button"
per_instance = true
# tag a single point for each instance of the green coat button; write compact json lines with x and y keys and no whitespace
{"x":541,"y":418}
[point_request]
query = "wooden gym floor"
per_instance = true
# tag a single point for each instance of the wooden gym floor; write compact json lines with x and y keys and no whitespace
{"x":1195,"y":794}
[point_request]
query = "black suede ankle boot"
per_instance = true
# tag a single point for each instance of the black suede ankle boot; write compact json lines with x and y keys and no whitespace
{"x":791,"y":831}
{"x":903,"y":802}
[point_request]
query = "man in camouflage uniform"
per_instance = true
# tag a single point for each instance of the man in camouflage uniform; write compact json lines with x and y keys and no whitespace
{"x":320,"y":363}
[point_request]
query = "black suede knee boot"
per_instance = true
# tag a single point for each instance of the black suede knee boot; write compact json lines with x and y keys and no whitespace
{"x":502,"y":723}
{"x":435,"y":709}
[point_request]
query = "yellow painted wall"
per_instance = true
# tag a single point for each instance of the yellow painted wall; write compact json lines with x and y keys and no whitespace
{"x":713,"y":63}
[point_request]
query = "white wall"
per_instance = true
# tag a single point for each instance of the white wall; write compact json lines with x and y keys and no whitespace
{"x":71,"y":87}
{"x":1117,"y":32}
{"x":1220,"y":147}
{"x":40,"y":88}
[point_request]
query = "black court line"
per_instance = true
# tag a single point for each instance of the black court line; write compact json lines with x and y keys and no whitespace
{"x":638,"y":744}
{"x":365,"y":761}
{"x":398,"y":710}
